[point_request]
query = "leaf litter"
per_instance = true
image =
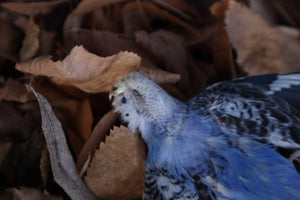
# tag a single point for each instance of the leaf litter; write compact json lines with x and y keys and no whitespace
{"x":72,"y":54}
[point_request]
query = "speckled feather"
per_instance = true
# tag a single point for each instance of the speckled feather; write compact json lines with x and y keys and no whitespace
{"x":222,"y":144}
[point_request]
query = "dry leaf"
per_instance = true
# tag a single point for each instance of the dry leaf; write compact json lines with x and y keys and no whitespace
{"x":4,"y":149}
{"x":97,"y":136}
{"x":32,"y":8}
{"x":47,"y":39}
{"x":73,"y":21}
{"x":110,"y":43}
{"x":160,"y":76}
{"x":219,"y":9}
{"x":288,"y":10}
{"x":265,"y":8}
{"x":169,"y":49}
{"x":222,"y":54}
{"x":74,"y":110}
{"x":90,"y":5}
{"x":261,"y":48}
{"x":16,"y":124}
{"x":85,"y":70}
{"x":290,"y":31}
{"x":180,"y":7}
{"x":134,"y":20}
{"x":31,"y":41}
{"x":14,"y":90}
{"x":24,"y":193}
{"x":117,"y":169}
{"x":45,"y":166}
{"x":63,"y":167}
{"x":10,"y":40}
{"x":21,"y":165}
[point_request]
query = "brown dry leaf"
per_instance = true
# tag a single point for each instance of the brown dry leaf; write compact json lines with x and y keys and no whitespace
{"x":73,"y":21}
{"x":85,"y":70}
{"x":261,"y":48}
{"x":4,"y":149}
{"x":15,"y":123}
{"x":219,"y":9}
{"x":108,"y":43}
{"x":84,"y":118}
{"x":74,"y":111}
{"x":117,"y":169}
{"x":21,"y":165}
{"x":160,"y":76}
{"x":47,"y":39}
{"x":24,"y":193}
{"x":290,"y":31}
{"x":31,"y":41}
{"x":45,"y":166}
{"x":62,"y":163}
{"x":289,"y":11}
{"x":21,"y":22}
{"x":169,"y":49}
{"x":32,"y":8}
{"x":222,"y":53}
{"x":10,"y":40}
{"x":90,"y":5}
{"x":97,"y":136}
{"x":265,"y":8}
{"x":134,"y":20}
{"x":180,"y":7}
{"x":14,"y":90}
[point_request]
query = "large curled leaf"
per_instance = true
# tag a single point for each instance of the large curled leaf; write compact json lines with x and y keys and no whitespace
{"x":63,"y":167}
{"x":261,"y":47}
{"x":87,"y":71}
{"x":117,"y":169}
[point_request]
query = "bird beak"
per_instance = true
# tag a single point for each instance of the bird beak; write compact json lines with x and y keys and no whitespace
{"x":111,"y":97}
{"x":112,"y":93}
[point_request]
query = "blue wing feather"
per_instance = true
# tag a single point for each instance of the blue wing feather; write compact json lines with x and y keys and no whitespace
{"x":284,"y":86}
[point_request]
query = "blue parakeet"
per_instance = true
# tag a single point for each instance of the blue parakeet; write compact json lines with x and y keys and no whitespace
{"x":223,"y":144}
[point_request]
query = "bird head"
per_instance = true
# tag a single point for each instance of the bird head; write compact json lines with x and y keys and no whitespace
{"x":140,"y":101}
{"x":128,"y":100}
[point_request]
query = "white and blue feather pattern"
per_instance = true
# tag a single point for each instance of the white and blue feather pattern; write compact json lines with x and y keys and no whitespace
{"x":221,"y":145}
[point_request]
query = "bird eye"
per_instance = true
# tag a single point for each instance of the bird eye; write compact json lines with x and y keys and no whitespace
{"x":123,"y":100}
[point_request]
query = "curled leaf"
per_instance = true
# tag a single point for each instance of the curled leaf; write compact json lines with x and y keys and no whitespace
{"x":261,"y":47}
{"x":32,"y":8}
{"x":93,"y":142}
{"x":74,"y":19}
{"x":24,"y":193}
{"x":160,"y":76}
{"x":117,"y":169}
{"x":85,"y":70}
{"x":31,"y":42}
{"x":63,"y":167}
{"x":14,"y":90}
{"x":219,"y":9}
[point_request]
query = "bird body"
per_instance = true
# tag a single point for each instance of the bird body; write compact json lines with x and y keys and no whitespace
{"x":222,"y":144}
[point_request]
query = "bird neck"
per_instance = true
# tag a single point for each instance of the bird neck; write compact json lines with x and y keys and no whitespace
{"x":159,"y":106}
{"x":163,"y":119}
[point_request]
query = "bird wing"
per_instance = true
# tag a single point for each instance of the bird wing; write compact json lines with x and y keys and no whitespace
{"x":244,"y":168}
{"x":283,"y":86}
{"x":242,"y":107}
{"x":254,"y":116}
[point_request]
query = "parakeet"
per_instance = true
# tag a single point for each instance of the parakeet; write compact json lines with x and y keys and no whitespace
{"x":222,"y":144}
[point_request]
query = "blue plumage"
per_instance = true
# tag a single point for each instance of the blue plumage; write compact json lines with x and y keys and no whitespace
{"x":222,"y":144}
